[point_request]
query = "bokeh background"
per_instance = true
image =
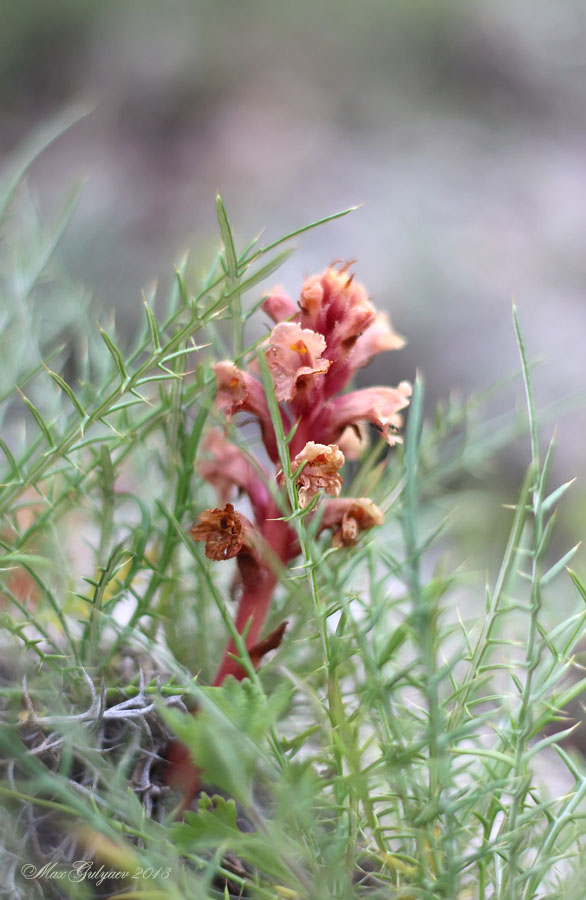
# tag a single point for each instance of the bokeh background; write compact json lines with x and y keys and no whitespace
{"x":460,"y":127}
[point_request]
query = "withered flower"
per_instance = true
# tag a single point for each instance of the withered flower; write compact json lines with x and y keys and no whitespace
{"x":320,"y":471}
{"x":229,"y":469}
{"x":352,"y":515}
{"x":225,"y":532}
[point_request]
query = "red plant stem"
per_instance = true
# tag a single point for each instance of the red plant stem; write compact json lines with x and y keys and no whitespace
{"x":258,"y":581}
{"x":254,"y":606}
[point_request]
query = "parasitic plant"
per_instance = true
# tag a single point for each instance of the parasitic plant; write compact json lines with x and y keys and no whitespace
{"x":310,"y":355}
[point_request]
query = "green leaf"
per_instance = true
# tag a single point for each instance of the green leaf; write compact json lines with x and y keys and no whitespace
{"x":226,"y":737}
{"x":116,"y":356}
{"x":304,"y":228}
{"x":264,"y":271}
{"x":66,"y":390}
{"x":227,"y":239}
{"x":528,"y":388}
{"x":581,"y":587}
{"x":50,"y":242}
{"x":553,"y":498}
{"x":37,"y":417}
{"x":558,"y":566}
{"x":215,"y":824}
{"x":395,"y":640}
{"x":15,"y":471}
{"x":152,"y":325}
{"x":33,"y":147}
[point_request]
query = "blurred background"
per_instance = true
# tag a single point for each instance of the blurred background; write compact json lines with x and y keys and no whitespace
{"x":461,"y":128}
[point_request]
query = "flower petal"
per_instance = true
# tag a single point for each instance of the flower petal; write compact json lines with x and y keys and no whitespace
{"x":226,"y":532}
{"x":320,"y":471}
{"x":230,"y":469}
{"x":336,"y":306}
{"x":294,"y":357}
{"x":236,"y":391}
{"x":379,"y":405}
{"x":378,"y":338}
{"x":352,"y":515}
{"x":279,"y":305}
{"x":354,"y":440}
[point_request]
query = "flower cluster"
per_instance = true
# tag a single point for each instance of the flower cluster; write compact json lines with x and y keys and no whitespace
{"x":312,"y":352}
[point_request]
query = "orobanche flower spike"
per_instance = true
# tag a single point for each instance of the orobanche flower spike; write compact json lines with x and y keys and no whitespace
{"x":312,"y":352}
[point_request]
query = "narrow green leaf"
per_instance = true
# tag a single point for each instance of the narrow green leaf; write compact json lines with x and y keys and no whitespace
{"x":116,"y":356}
{"x":181,"y":286}
{"x":66,"y":390}
{"x":227,"y":239}
{"x":528,"y":387}
{"x":33,"y":147}
{"x":578,"y":582}
{"x":394,"y":642}
{"x":50,"y":243}
{"x":553,"y":498}
{"x":152,"y":325}
{"x":495,"y":755}
{"x":303,"y":229}
{"x":109,"y":476}
{"x":558,"y":566}
{"x":264,"y":271}
{"x":15,"y":471}
{"x":37,"y":417}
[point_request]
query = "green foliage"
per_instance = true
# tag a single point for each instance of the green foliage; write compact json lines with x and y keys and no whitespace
{"x":228,"y":731}
{"x":215,"y":824}
{"x":396,"y":743}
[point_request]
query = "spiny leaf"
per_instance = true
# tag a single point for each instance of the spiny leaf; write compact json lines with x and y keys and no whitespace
{"x":37,"y":417}
{"x":116,"y":356}
{"x":66,"y":390}
{"x":528,"y":388}
{"x":578,"y":582}
{"x":15,"y":471}
{"x":304,"y":228}
{"x":559,"y":565}
{"x":264,"y":271}
{"x":227,"y":239}
{"x":152,"y":325}
{"x":553,"y":498}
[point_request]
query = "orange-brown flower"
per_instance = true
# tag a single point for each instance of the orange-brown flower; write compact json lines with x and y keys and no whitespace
{"x":294,"y":358}
{"x":225,"y":532}
{"x":352,"y":515}
{"x":320,"y":471}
